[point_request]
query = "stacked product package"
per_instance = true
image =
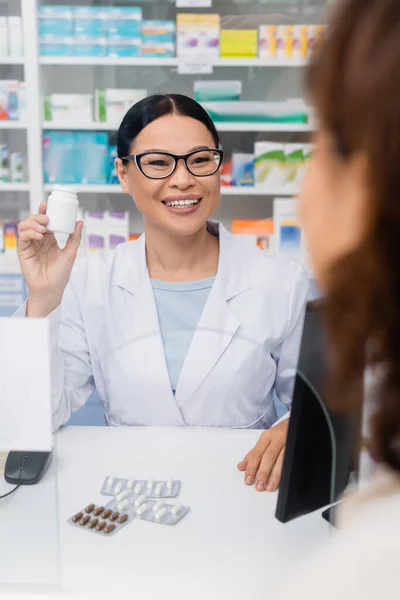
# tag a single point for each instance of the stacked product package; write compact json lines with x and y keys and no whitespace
{"x":11,"y":165}
{"x":106,"y":106}
{"x":103,"y":31}
{"x":272,"y":166}
{"x":122,"y":32}
{"x":105,"y":230}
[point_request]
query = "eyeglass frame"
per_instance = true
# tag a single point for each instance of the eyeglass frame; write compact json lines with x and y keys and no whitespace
{"x":136,"y":158}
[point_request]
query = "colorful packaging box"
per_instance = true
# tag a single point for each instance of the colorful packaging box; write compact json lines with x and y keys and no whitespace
{"x":111,"y":104}
{"x":269,"y":161}
{"x":68,"y":107}
{"x":300,"y":41}
{"x":257,"y":233}
{"x":117,"y":228}
{"x":198,"y":36}
{"x":56,"y":20}
{"x":91,"y":157}
{"x":59,"y":157}
{"x":123,"y":21}
{"x":151,"y":49}
{"x":112,"y":171}
{"x":158,"y":31}
{"x":284,"y":48}
{"x":242,"y":169}
{"x":267,"y":41}
{"x":217,"y":91}
{"x":122,"y":46}
{"x":316,"y":35}
{"x":52,"y":45}
{"x":10,"y":237}
{"x":90,"y":21}
{"x":226,"y":173}
{"x":239,"y":43}
{"x":86,"y":45}
{"x":4,"y":163}
{"x":294,"y":160}
{"x":16,"y":167}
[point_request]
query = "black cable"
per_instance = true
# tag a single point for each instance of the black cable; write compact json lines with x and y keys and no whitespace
{"x":9,"y":493}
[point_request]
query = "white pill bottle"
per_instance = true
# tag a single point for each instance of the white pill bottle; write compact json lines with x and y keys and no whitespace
{"x":62,"y":209}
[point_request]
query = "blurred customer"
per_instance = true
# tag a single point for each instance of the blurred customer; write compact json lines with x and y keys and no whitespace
{"x":350,"y":211}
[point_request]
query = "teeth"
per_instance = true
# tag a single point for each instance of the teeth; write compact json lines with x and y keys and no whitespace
{"x":183,"y":203}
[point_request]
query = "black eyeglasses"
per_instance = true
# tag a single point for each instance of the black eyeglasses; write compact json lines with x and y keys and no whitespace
{"x":159,"y":165}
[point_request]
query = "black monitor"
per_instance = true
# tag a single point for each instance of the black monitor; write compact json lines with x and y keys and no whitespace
{"x":321,"y":444}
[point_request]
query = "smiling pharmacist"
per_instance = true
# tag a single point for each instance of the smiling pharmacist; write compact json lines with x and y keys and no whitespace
{"x":185,"y":326}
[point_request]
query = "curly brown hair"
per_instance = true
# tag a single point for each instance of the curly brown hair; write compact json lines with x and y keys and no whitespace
{"x":354,"y":81}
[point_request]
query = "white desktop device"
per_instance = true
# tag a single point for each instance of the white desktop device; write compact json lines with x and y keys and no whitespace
{"x":25,"y":385}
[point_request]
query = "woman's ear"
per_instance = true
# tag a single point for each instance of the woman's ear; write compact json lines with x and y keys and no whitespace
{"x":122,"y":174}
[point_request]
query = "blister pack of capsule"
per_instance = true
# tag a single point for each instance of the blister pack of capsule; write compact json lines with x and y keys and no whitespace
{"x":151,"y":488}
{"x":103,"y":520}
{"x":147,"y":509}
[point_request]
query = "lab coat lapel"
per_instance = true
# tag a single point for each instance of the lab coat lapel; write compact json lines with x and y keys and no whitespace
{"x":218,"y":324}
{"x":140,"y":327}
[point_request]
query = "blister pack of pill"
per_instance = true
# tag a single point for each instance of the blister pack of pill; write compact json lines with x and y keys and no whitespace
{"x":103,"y":520}
{"x":151,"y":488}
{"x":155,"y":511}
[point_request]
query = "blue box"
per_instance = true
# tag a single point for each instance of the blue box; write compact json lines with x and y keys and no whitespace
{"x":59,"y":157}
{"x":112,"y":172}
{"x":91,"y":157}
{"x":86,"y":45}
{"x":124,"y":47}
{"x":56,"y":20}
{"x":90,"y":20}
{"x":124,"y":21}
{"x":51,"y":45}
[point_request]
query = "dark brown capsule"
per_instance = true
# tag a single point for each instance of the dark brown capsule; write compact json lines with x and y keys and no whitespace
{"x":123,"y":518}
{"x":101,"y":525}
{"x":93,"y":523}
{"x":109,"y":528}
{"x":114,"y":516}
{"x":98,"y":511}
{"x":84,"y":521}
{"x":107,"y":513}
{"x":77,"y":517}
{"x":89,"y":508}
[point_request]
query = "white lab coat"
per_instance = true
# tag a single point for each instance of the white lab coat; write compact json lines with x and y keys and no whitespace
{"x":106,"y":336}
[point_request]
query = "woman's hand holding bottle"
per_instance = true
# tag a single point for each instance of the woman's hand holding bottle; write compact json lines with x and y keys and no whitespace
{"x":45,"y":267}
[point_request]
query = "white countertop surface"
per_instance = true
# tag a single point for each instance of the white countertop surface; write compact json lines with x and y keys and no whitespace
{"x":230,"y":546}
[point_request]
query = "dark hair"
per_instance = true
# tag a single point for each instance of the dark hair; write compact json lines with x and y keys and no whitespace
{"x":153,"y":107}
{"x":355,"y":85}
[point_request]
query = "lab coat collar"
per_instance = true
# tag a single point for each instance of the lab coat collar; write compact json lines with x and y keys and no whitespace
{"x":216,"y":329}
{"x":131,"y":266}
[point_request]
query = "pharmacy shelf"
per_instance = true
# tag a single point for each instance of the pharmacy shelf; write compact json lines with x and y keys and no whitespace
{"x":166,"y":62}
{"x":13,"y":124}
{"x":225,"y":190}
{"x":11,"y":186}
{"x":256,"y":127}
{"x":9,"y":265}
{"x":12,"y":60}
